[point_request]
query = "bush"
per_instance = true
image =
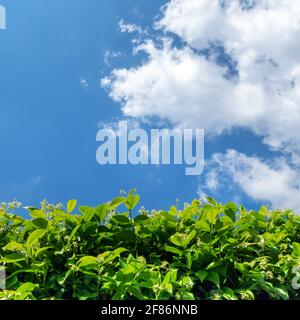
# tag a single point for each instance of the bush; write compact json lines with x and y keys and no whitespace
{"x":205,"y":251}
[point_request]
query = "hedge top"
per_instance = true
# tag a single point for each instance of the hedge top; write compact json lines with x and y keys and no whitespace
{"x":207,"y":250}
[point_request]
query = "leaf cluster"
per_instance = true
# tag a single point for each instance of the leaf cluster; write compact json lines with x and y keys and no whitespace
{"x":207,"y":251}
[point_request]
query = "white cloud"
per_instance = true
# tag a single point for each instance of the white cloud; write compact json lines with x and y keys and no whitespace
{"x":37,"y":179}
{"x":264,"y":41}
{"x":193,"y":90}
{"x":83,"y":83}
{"x":114,"y":125}
{"x":129,"y":27}
{"x":174,"y":84}
{"x":109,"y":55}
{"x":275,"y":182}
{"x":190,"y":90}
{"x":212,"y":180}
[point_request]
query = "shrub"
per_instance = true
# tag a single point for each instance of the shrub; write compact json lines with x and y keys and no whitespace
{"x":205,"y":251}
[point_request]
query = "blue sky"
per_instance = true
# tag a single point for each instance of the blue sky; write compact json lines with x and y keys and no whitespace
{"x":49,"y":117}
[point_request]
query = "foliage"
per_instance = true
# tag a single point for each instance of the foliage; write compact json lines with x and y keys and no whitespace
{"x":206,"y":250}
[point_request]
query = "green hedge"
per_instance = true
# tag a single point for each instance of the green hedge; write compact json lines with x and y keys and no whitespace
{"x":205,"y":251}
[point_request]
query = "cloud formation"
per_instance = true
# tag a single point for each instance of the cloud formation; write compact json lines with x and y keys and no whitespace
{"x":275,"y":182}
{"x":193,"y":84}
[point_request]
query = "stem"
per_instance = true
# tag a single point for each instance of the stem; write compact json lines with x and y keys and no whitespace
{"x":130,"y":215}
{"x":133,"y":229}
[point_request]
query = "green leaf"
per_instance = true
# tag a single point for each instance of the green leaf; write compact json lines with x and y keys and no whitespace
{"x":11,"y":282}
{"x":40,"y":251}
{"x":203,"y":251}
{"x":173,"y":211}
{"x":132,"y":201}
{"x":264,"y":211}
{"x":189,"y":260}
{"x":13,"y":257}
{"x":214,"y":264}
{"x":211,"y":201}
{"x":38,"y":214}
{"x":296,"y":249}
{"x":232,"y":206}
{"x":101,"y":212}
{"x":212,"y":214}
{"x":35,"y":236}
{"x":103,"y":229}
{"x":189,"y":238}
{"x":185,"y":296}
{"x":202,"y":225}
{"x":27,"y":287}
{"x":87,"y":212}
{"x":71,"y":205}
{"x":202,"y":274}
{"x":247,"y":293}
{"x":240,"y":267}
{"x":40,"y":223}
{"x":13,"y":246}
{"x":177,"y":239}
{"x":117,"y":252}
{"x":136,"y":292}
{"x":230,"y":213}
{"x":283,"y":294}
{"x":142,"y":219}
{"x":120,"y":220}
{"x":64,"y":278}
{"x":60,"y":215}
{"x":171,"y":276}
{"x":214,"y":278}
{"x":125,"y":236}
{"x":173,"y":250}
{"x":115,"y":203}
{"x":110,"y":256}
{"x":89,"y":226}
{"x":73,"y":233}
{"x":228,"y":294}
{"x":88,"y":262}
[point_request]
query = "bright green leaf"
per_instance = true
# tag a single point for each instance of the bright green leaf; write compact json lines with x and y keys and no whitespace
{"x":173,"y":250}
{"x":212,"y":214}
{"x":189,"y":238}
{"x":88,"y":212}
{"x":71,"y":205}
{"x":13,"y":257}
{"x":26,"y":288}
{"x":296,"y":249}
{"x":117,"y":202}
{"x":88,"y":262}
{"x":202,"y":225}
{"x":35,"y":236}
{"x":132,"y":201}
{"x":101,"y":212}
